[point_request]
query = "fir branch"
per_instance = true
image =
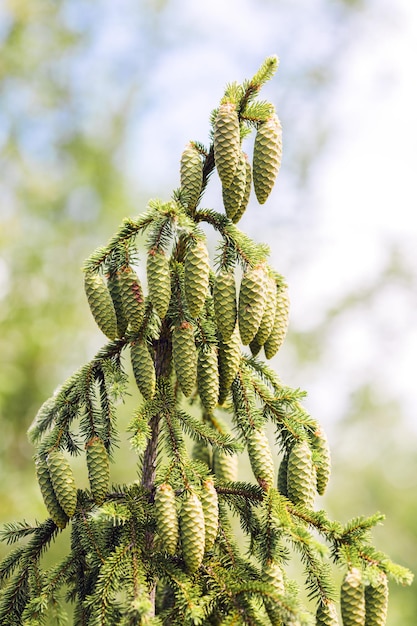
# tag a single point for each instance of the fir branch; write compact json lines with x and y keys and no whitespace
{"x":240,"y":245}
{"x":202,"y":432}
{"x":358,"y":529}
{"x":15,"y":598}
{"x":178,"y":310}
{"x":164,"y":227}
{"x":188,"y":606}
{"x":247,"y":491}
{"x":267,"y":545}
{"x":267,"y":375}
{"x":15,"y":531}
{"x":102,"y":603}
{"x":253,"y":86}
{"x":10,"y":562}
{"x":65,"y":405}
{"x":172,"y":438}
{"x":16,"y":594}
{"x":318,"y":575}
{"x":246,"y":415}
{"x":316,"y":519}
{"x":256,"y":113}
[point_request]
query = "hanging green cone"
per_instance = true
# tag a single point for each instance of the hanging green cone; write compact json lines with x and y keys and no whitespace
{"x":55,"y":510}
{"x":98,"y":469}
{"x":273,"y":575}
{"x":279,"y":330}
{"x":301,"y":475}
{"x":209,"y":501}
{"x":326,"y":615}
{"x":184,"y":354}
{"x":320,"y":446}
{"x":159,"y":280}
{"x":229,"y":361}
{"x":255,"y":347}
{"x":208,"y":377}
{"x":63,"y":482}
{"x":225,"y":305}
{"x":200,"y":452}
{"x":352,"y":599}
{"x":101,"y":304}
{"x":225,"y":466}
{"x":268,"y":317}
{"x":282,"y":476}
{"x":143,"y":368}
{"x":191,"y":174}
{"x":376,"y":602}
{"x":233,"y":195}
{"x":196,"y":276}
{"x":192,"y":531}
{"x":251,"y":303}
{"x":267,"y":154}
{"x":260,"y":458}
{"x":246,"y":194}
{"x":226,"y":142}
{"x":113,"y":284}
{"x":167,"y":517}
{"x":132,"y":297}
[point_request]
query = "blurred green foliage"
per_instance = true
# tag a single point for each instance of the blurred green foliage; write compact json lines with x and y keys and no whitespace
{"x":69,"y":99}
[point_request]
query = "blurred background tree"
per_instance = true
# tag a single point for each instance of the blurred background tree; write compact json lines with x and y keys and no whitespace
{"x":97,"y":101}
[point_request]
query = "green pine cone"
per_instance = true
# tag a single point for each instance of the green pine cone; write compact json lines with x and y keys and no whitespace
{"x":143,"y":368}
{"x":196,"y":276}
{"x":159,"y":280}
{"x":260,"y":458}
{"x":208,"y":377}
{"x":113,"y":283}
{"x":233,"y":195}
{"x":251,"y":303}
{"x":282,"y":476}
{"x":322,"y":463}
{"x":200,"y":452}
{"x":376,"y":602}
{"x":326,"y":615}
{"x":255,"y":347}
{"x":279,"y":330}
{"x":225,"y":305}
{"x":225,"y":466}
{"x":192,"y":531}
{"x":226,"y":142}
{"x":273,"y":575}
{"x":167,"y":517}
{"x":268,"y":318}
{"x":352,"y":599}
{"x":132,"y":298}
{"x":98,"y":469}
{"x":209,"y":501}
{"x":63,"y":482}
{"x":184,"y":354}
{"x":246,"y":194}
{"x":191,"y":174}
{"x":301,"y":475}
{"x":101,"y":304}
{"x":267,"y":154}
{"x":229,"y":361}
{"x":55,"y":510}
